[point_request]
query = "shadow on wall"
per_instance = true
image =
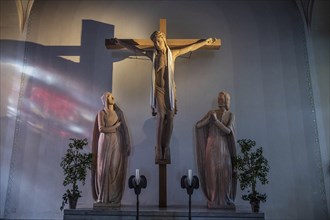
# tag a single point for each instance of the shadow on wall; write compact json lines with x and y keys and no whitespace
{"x":59,"y":96}
{"x":62,"y":83}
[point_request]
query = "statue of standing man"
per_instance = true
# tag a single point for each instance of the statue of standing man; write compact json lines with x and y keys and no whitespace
{"x":216,"y":148}
{"x":163,"y":90}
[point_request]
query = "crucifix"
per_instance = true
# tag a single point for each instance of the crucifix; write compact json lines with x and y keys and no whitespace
{"x":163,"y":52}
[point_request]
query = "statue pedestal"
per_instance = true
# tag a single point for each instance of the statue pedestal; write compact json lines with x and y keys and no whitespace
{"x":156,"y":213}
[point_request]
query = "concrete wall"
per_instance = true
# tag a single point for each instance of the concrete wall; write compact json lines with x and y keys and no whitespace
{"x":53,"y":74}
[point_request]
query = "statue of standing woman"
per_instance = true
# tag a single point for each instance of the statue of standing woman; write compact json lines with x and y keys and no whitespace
{"x":110,"y":148}
{"x":216,"y":147}
{"x":163,"y":89}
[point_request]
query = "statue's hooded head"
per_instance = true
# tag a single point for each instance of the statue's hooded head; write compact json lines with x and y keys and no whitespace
{"x":224,"y":100}
{"x":107,"y":99}
{"x":159,"y":40}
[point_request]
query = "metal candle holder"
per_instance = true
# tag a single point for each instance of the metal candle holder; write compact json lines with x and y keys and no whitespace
{"x":190,"y":188}
{"x":137,"y":183}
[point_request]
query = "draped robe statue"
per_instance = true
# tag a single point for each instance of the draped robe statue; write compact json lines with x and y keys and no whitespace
{"x":110,"y":148}
{"x":216,"y":146}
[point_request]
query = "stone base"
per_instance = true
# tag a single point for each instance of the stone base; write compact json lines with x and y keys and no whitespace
{"x":222,"y":207}
{"x":103,"y":206}
{"x":156,"y":213}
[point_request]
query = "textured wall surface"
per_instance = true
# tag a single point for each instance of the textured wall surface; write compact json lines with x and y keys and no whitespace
{"x":53,"y":74}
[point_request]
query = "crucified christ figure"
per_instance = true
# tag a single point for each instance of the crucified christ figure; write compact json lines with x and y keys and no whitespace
{"x":163,"y":94}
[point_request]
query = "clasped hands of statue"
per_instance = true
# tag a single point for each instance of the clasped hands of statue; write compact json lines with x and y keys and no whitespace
{"x":115,"y":127}
{"x":214,"y":116}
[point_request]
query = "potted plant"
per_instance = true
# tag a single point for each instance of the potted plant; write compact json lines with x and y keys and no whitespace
{"x":75,"y":164}
{"x":251,"y":166}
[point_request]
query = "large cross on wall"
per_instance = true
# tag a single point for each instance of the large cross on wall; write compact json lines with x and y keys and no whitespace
{"x":172,"y":43}
{"x":148,"y":44}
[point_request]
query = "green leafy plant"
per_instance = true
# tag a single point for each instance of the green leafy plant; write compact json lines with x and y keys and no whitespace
{"x":75,"y":164}
{"x":251,"y":166}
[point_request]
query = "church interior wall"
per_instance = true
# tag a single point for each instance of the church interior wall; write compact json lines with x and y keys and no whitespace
{"x":55,"y":71}
{"x":319,"y":44}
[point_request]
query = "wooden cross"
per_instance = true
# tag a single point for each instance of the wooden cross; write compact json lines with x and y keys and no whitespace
{"x":172,"y":43}
{"x":148,"y":44}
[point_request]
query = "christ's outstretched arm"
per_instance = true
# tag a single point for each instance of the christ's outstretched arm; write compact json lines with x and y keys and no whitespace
{"x":130,"y":47}
{"x":192,"y":47}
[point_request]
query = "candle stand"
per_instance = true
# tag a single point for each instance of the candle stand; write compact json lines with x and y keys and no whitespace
{"x":190,"y":185}
{"x":137,"y":184}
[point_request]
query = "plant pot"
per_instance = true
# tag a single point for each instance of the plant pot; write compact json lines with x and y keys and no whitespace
{"x":73,"y":203}
{"x":255,"y":205}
